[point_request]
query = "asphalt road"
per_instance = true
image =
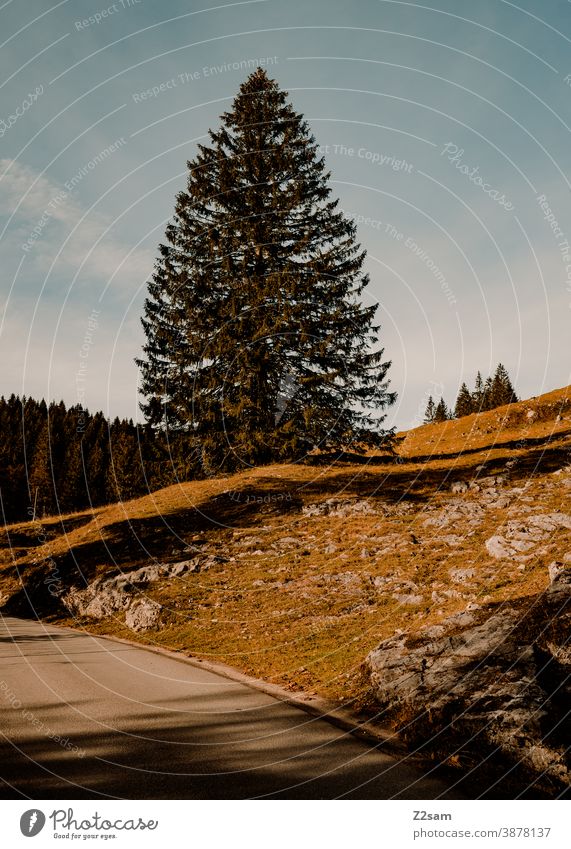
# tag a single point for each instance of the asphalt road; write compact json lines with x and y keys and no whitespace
{"x":87,"y":717}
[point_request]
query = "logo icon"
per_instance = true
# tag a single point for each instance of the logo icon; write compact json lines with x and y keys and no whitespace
{"x":287,"y":390}
{"x":32,"y":822}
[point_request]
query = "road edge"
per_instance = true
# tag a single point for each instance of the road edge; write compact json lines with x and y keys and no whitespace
{"x":315,"y":706}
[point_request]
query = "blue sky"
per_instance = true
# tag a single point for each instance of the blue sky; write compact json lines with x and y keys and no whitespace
{"x":445,"y":126}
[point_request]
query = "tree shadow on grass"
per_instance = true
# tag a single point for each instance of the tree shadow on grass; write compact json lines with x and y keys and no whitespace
{"x":38,"y":532}
{"x":546,"y":443}
{"x":130,"y":543}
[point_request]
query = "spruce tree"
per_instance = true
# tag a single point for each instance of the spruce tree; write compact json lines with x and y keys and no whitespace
{"x":41,"y":478}
{"x":441,"y":412}
{"x":96,"y":458}
{"x":487,"y":396}
{"x":430,"y":411}
{"x":464,"y":402}
{"x":478,"y":393}
{"x":125,"y":475}
{"x":72,"y":490}
{"x":502,"y":391}
{"x":18,"y":412}
{"x":258,"y":346}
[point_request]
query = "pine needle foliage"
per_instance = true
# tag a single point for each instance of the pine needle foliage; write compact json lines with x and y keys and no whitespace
{"x":258,"y":345}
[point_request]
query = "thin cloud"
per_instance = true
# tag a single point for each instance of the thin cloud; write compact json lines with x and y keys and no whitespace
{"x":51,"y":226}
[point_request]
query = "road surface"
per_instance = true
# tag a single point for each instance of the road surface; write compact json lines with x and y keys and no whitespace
{"x":87,"y":717}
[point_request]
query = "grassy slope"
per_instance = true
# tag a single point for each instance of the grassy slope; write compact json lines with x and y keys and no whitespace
{"x":305,"y":613}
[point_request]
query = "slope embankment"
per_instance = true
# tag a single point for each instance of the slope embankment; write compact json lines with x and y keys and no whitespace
{"x":330,"y":577}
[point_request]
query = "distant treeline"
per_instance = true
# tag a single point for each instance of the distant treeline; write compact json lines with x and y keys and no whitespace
{"x":486,"y":395}
{"x":59,"y":460}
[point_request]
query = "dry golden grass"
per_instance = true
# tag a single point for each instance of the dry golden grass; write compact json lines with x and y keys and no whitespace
{"x":306,"y":614}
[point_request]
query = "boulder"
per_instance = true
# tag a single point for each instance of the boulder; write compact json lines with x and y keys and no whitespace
{"x":185,"y":566}
{"x":451,"y":540}
{"x":140,"y":577}
{"x":97,"y":601}
{"x":340,"y":507}
{"x":551,"y":521}
{"x":106,"y":596}
{"x":106,"y":603}
{"x":143,"y":615}
{"x":458,"y":487}
{"x":457,"y":511}
{"x":460,"y":576}
{"x":408,"y":599}
{"x":499,"y":548}
{"x":522,"y":535}
{"x":559,"y":574}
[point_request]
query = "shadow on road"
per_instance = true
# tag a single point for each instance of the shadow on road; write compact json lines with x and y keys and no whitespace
{"x":89,"y":718}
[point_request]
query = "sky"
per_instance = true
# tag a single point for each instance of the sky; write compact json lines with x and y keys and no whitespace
{"x":445,"y":126}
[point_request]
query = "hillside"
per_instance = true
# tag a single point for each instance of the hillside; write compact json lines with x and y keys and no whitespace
{"x":312,"y":576}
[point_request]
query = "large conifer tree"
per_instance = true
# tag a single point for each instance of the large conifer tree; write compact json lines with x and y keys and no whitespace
{"x":257,"y":342}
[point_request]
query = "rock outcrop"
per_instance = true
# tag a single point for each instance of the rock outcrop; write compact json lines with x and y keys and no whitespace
{"x":522,"y":536}
{"x":143,"y":615}
{"x":494,"y":680}
{"x":341,"y":508}
{"x":109,"y":596}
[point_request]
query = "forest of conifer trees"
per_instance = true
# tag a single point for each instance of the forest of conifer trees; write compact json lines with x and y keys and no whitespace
{"x":487,"y":395}
{"x":55,"y":459}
